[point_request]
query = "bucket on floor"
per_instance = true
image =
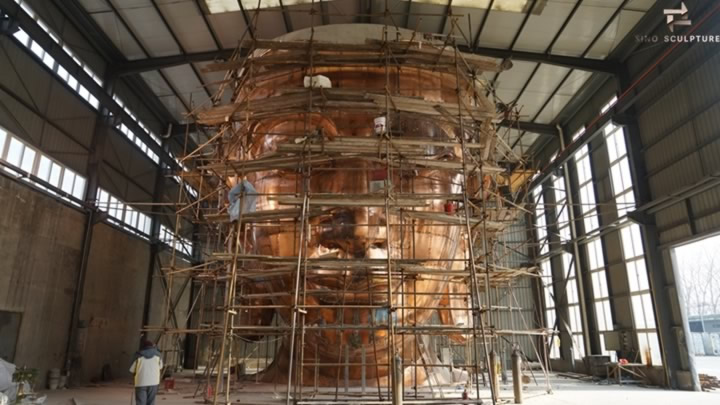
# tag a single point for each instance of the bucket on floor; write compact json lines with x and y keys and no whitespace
{"x":169,"y":384}
{"x":53,"y":378}
{"x":62,"y":382}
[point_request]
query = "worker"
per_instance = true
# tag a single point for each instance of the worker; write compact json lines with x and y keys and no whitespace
{"x":147,"y":369}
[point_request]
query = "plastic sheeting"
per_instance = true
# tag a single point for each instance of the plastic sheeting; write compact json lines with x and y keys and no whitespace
{"x":242,"y":198}
{"x":7,"y":386}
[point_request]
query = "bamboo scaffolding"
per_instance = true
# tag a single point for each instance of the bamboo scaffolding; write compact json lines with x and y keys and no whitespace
{"x":233,"y":277}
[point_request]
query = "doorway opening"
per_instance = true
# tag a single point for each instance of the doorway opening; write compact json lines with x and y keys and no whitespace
{"x":697,"y":266}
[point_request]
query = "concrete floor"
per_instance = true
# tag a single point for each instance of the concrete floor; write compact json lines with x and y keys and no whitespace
{"x":565,"y":391}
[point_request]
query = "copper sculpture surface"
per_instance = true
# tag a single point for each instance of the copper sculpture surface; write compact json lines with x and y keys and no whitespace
{"x":353,"y":302}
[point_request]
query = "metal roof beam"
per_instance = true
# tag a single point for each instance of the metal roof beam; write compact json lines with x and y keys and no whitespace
{"x":150,"y":64}
{"x":592,"y":65}
{"x":533,"y":127}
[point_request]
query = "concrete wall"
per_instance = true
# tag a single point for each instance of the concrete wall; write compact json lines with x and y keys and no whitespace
{"x":172,"y":345}
{"x":113,"y":302}
{"x":40,"y":243}
{"x":40,"y":253}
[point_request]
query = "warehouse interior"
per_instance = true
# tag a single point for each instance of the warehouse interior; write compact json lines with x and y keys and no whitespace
{"x":360,"y":201}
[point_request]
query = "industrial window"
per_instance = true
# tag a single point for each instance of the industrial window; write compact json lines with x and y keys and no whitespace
{"x":587,"y":190}
{"x":601,"y":294}
{"x":25,"y":160}
{"x":632,"y":246}
{"x":180,"y":244}
{"x":609,"y":105}
{"x":133,"y":137}
{"x":22,"y":37}
{"x":190,"y":190}
{"x":620,"y":176}
{"x":562,"y":220}
{"x":541,"y":221}
{"x":573,"y":300}
{"x":122,"y":214}
{"x":562,"y":215}
{"x":641,"y":300}
{"x":550,"y":319}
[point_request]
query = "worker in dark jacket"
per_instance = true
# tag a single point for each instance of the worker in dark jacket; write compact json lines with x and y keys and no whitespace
{"x":147,"y":369}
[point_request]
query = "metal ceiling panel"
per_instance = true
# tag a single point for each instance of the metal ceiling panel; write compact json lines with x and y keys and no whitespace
{"x":547,"y":78}
{"x":301,"y":18}
{"x":552,"y":109}
{"x":187,"y":23}
{"x":543,"y":84}
{"x":541,"y":29}
{"x":615,"y":33}
{"x":504,"y":5}
{"x":531,"y":102}
{"x":476,"y":17}
{"x":427,"y":23}
{"x":525,"y":143}
{"x":229,"y":27}
{"x":640,"y":5}
{"x":513,"y":80}
{"x":123,"y":40}
{"x":584,"y":27}
{"x":397,"y":7}
{"x":130,"y":4}
{"x":212,"y":79}
{"x":269,"y":24}
{"x":344,"y":11}
{"x":95,"y":6}
{"x":146,"y":23}
{"x":164,"y":93}
{"x":156,"y":83}
{"x":574,"y":82}
{"x":565,"y":93}
{"x":500,"y":29}
{"x":184,"y":81}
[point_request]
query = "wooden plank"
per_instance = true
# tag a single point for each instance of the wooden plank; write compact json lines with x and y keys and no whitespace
{"x":343,"y":201}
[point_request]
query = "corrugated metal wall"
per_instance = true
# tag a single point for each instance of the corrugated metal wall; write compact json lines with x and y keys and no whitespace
{"x":680,"y":123}
{"x":521,"y":294}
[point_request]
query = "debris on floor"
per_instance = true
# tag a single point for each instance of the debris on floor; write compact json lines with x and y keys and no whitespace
{"x":576,"y":376}
{"x":709,"y":382}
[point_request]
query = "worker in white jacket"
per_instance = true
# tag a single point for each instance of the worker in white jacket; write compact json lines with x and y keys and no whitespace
{"x":147,"y":369}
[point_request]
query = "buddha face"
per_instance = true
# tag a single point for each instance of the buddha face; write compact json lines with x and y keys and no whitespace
{"x":352,"y":240}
